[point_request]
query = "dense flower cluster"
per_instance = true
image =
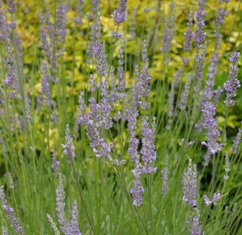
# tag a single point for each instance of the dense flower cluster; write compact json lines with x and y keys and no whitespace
{"x":120,"y":15}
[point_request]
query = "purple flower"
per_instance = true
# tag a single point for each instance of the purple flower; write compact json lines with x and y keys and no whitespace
{"x":168,"y":31}
{"x":221,"y":14}
{"x":45,"y":84}
{"x":164,"y":176}
{"x":199,"y":15}
{"x":210,"y":82}
{"x":132,"y":114}
{"x":73,"y":227}
{"x":95,"y":5}
{"x":148,"y":147}
{"x":10,"y":214}
{"x":67,"y":228}
{"x":120,"y":73}
{"x":44,"y":43}
{"x":55,"y":163}
{"x":235,"y":149}
{"x":60,"y":204}
{"x":190,"y":185}
{"x":103,"y":150}
{"x":68,"y":146}
{"x":189,"y":35}
{"x":105,"y":108}
{"x":61,"y":22}
{"x":199,"y":69}
{"x":10,"y":81}
{"x":137,"y":189}
{"x":78,"y":19}
{"x":99,"y":146}
{"x":185,"y":92}
{"x":132,"y":30}
{"x":27,"y":103}
{"x":211,"y":127}
{"x":144,"y":76}
{"x":195,"y":226}
{"x":232,"y":83}
{"x":120,"y":15}
{"x":4,"y":29}
{"x":214,"y":200}
{"x":11,"y":6}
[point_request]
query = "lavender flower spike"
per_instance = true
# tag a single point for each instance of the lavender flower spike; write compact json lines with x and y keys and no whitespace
{"x":73,"y":227}
{"x":137,"y":189}
{"x":10,"y":81}
{"x":211,"y":127}
{"x":67,"y":228}
{"x":190,"y":185}
{"x":10,"y":213}
{"x":199,"y":15}
{"x":148,"y":148}
{"x":195,"y":227}
{"x":232,"y":83}
{"x":120,"y":15}
{"x":68,"y":146}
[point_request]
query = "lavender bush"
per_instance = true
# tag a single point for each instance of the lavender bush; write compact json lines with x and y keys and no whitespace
{"x":120,"y":123}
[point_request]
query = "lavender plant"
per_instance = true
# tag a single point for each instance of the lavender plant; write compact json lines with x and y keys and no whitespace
{"x":116,"y":123}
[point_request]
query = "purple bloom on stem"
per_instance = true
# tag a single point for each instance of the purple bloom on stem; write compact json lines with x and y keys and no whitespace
{"x":199,"y":15}
{"x":68,"y":146}
{"x":73,"y":227}
{"x":189,"y":35}
{"x":95,"y":5}
{"x":45,"y":84}
{"x":221,"y":14}
{"x":132,"y":29}
{"x":10,"y":214}
{"x":232,"y":83}
{"x":144,"y":76}
{"x":120,"y":15}
{"x":148,"y":148}
{"x":211,"y":127}
{"x":185,"y":92}
{"x":137,"y":189}
{"x":11,"y":6}
{"x":190,"y":185}
{"x":10,"y":81}
{"x":61,"y":22}
{"x":67,"y":228}
{"x":236,"y":142}
{"x":168,"y":31}
{"x":212,"y":69}
{"x":216,"y":197}
{"x":55,"y":163}
{"x":195,"y":226}
{"x":120,"y":73}
{"x":44,"y":43}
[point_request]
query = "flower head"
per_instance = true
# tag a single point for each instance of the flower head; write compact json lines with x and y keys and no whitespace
{"x":120,"y":15}
{"x":190,"y":185}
